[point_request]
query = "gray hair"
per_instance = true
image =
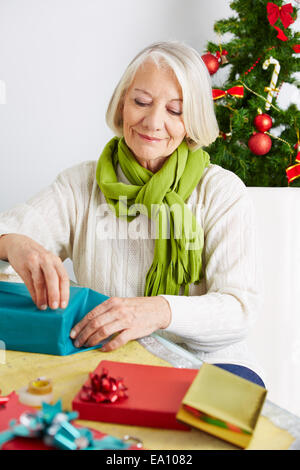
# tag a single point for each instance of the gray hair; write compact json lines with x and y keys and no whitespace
{"x":191,"y":72}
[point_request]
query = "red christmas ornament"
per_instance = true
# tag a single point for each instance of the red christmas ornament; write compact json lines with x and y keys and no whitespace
{"x":263,"y":122}
{"x":260,"y":143}
{"x":212,"y":63}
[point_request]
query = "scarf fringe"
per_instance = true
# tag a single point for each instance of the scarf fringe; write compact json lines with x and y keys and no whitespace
{"x":162,"y":279}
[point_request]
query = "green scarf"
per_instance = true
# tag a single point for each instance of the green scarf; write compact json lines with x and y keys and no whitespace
{"x":178,"y":238}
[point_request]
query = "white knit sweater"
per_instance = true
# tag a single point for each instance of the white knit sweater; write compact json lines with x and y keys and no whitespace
{"x":113,"y":256}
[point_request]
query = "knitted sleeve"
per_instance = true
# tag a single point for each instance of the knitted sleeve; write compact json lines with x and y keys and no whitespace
{"x":222,"y":315}
{"x":49,"y":217}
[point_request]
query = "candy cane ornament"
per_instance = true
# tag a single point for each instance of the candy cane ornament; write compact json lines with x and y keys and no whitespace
{"x":272,"y":88}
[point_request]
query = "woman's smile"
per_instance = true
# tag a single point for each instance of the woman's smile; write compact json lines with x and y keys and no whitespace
{"x":148,"y":138}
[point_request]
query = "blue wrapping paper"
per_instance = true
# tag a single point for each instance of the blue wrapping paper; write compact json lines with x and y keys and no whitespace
{"x":23,"y":327}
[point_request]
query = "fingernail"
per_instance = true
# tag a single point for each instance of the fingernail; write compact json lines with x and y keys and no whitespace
{"x":54,"y":305}
{"x":103,"y":348}
{"x":76,"y":344}
{"x":63,"y":304}
{"x":43,"y":307}
{"x":73,"y":334}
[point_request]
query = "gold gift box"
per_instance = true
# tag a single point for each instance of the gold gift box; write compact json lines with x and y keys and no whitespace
{"x":223,"y":404}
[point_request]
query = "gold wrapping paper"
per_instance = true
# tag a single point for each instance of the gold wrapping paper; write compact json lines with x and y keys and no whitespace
{"x":225,"y":397}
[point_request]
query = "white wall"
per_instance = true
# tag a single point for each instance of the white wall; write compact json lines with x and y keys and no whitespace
{"x":60,"y":60}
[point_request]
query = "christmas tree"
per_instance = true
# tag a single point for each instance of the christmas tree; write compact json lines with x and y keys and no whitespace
{"x":258,"y":141}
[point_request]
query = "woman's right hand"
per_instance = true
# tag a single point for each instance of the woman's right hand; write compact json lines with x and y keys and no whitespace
{"x":42,"y":271}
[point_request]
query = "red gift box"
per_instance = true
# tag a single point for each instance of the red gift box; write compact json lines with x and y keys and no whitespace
{"x":12,"y":410}
{"x":154,"y":394}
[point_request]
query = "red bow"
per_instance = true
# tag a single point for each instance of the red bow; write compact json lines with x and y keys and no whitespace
{"x":103,"y":388}
{"x":4,"y":400}
{"x":219,"y":54}
{"x":296,"y":48}
{"x":284,"y":12}
{"x":237,"y":91}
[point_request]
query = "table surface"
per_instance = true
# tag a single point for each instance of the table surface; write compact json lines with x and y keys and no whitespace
{"x":275,"y":430}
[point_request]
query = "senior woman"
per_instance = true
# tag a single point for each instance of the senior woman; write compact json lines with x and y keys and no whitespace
{"x":167,"y":235}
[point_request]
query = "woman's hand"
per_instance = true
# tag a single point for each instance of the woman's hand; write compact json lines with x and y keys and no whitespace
{"x":130,"y":317}
{"x":42,"y":272}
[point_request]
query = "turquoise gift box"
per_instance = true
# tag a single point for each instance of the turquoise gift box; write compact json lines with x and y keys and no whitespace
{"x":23,"y":327}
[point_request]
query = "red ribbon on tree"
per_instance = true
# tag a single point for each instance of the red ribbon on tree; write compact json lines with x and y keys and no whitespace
{"x":280,"y":34}
{"x":284,"y":13}
{"x":296,"y":48}
{"x":237,"y":91}
{"x":293,"y":171}
{"x":103,"y":389}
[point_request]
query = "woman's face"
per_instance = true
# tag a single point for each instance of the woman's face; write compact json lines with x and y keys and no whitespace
{"x":153,"y":126}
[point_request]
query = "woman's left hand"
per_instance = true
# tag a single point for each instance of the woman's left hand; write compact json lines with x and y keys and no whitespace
{"x":131,"y":317}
